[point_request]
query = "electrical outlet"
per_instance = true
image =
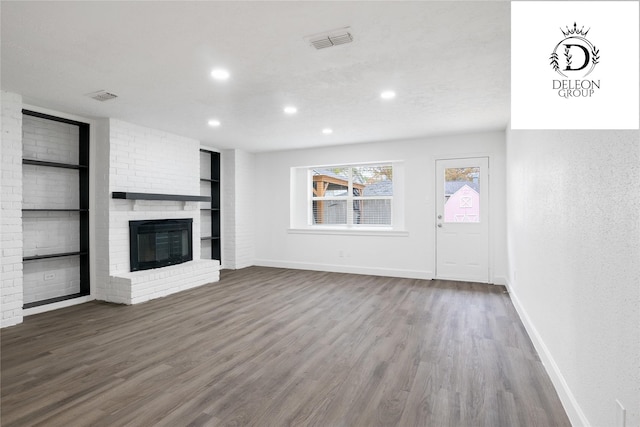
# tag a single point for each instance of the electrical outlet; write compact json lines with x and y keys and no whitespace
{"x":621,"y":415}
{"x":49,"y":276}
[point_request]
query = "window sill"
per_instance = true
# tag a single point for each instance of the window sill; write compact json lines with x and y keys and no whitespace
{"x":342,"y":231}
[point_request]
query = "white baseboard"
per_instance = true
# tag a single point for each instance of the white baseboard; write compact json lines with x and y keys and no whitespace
{"x":56,"y":305}
{"x":499,"y":280}
{"x":568,"y":400}
{"x":336,"y":268}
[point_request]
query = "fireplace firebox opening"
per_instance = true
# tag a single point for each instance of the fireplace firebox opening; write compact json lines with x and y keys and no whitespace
{"x":159,"y":243}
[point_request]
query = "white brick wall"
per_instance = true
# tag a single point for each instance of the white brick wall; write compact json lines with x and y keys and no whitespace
{"x":11,"y":295}
{"x":238,"y":214}
{"x":48,"y":140}
{"x":53,"y":188}
{"x":205,"y":165}
{"x":64,"y":273}
{"x":100,"y":244}
{"x":228,"y":185}
{"x":50,"y":232}
{"x":150,"y":161}
{"x":245,"y":208}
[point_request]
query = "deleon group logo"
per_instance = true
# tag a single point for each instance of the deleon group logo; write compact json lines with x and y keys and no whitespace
{"x":574,"y":58}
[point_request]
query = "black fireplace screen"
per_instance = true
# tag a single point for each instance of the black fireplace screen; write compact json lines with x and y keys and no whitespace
{"x":158,"y":243}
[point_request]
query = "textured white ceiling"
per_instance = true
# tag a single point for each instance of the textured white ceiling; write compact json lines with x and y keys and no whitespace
{"x":447,"y":61}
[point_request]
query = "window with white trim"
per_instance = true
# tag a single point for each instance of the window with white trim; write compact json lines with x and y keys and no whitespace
{"x":357,"y":195}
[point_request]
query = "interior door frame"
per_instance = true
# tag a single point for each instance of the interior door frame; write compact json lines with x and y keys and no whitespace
{"x":491,"y":243}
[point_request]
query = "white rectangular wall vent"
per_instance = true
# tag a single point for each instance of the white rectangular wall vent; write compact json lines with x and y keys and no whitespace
{"x":102,"y":95}
{"x":330,"y":38}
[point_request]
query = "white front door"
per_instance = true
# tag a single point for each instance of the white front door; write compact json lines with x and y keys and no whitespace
{"x":462,"y":222}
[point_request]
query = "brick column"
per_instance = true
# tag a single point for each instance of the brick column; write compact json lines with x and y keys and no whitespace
{"x":11,"y":297}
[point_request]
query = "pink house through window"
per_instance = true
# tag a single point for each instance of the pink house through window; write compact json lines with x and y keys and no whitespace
{"x":463,"y":206}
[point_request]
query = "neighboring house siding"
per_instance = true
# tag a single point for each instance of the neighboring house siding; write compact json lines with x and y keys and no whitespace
{"x":463,"y":206}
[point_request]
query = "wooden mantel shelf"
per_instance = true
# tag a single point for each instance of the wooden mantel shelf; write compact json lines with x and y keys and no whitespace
{"x":157,"y":196}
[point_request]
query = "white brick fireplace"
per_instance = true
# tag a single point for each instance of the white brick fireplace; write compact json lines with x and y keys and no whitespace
{"x":143,"y":160}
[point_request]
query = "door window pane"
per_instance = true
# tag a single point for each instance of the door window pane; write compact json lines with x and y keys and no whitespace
{"x":462,"y":194}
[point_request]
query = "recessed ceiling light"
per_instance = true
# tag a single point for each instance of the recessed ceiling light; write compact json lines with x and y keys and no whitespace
{"x":214,"y":123}
{"x":327,"y":131}
{"x":290,"y":109}
{"x":388,"y":94}
{"x":220,"y":74}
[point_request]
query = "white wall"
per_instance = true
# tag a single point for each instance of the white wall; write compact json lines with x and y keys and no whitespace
{"x":411,"y":255}
{"x":573,"y":203}
{"x":239,"y":208}
{"x":245,"y":209}
{"x":228,"y":218}
{"x":11,"y":283}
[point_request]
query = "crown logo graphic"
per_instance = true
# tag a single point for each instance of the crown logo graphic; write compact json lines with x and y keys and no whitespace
{"x":579,"y":53}
{"x":574,"y":31}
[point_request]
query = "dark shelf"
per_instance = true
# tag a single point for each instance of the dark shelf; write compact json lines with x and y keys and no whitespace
{"x":51,"y":164}
{"x":55,"y":210}
{"x":213,"y":159}
{"x":59,"y":255}
{"x":55,"y":118}
{"x":157,"y":196}
{"x":52,"y":300}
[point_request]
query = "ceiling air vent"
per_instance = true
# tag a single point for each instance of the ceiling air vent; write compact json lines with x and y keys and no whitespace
{"x":322,"y":43}
{"x":102,"y":95}
{"x":330,"y":38}
{"x":341,"y":39}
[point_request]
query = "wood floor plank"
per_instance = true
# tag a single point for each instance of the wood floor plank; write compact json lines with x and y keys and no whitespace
{"x":276,"y":347}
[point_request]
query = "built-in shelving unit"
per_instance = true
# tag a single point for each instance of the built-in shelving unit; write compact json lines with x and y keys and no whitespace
{"x":210,"y":242}
{"x":45,"y":171}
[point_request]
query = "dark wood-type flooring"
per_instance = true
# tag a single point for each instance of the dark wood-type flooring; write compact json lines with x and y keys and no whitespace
{"x":276,"y":347}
